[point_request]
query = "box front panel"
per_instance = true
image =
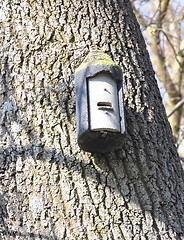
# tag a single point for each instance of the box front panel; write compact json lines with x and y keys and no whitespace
{"x":103,"y":103}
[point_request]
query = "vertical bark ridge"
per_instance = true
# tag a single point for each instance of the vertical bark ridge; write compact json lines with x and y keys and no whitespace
{"x":125,"y":208}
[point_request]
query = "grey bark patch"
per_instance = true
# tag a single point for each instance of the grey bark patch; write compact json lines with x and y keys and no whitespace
{"x":36,"y":204}
{"x":8,"y":106}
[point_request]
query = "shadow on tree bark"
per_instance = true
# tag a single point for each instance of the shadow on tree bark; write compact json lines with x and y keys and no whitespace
{"x":124,"y":171}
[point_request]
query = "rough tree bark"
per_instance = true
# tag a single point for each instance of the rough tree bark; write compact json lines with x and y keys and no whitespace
{"x":50,"y":189}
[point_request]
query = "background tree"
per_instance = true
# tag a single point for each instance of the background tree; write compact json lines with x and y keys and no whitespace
{"x":163,"y":27}
{"x":50,"y":189}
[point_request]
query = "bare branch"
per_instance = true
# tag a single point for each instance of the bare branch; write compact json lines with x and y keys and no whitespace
{"x":163,"y":8}
{"x":176,"y":107}
{"x":172,"y":48}
{"x":162,"y":71}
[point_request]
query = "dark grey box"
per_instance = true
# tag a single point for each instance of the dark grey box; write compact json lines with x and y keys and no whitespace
{"x":99,"y":112}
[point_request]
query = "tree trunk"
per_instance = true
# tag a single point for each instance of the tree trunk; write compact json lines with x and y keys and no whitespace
{"x":50,"y":189}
